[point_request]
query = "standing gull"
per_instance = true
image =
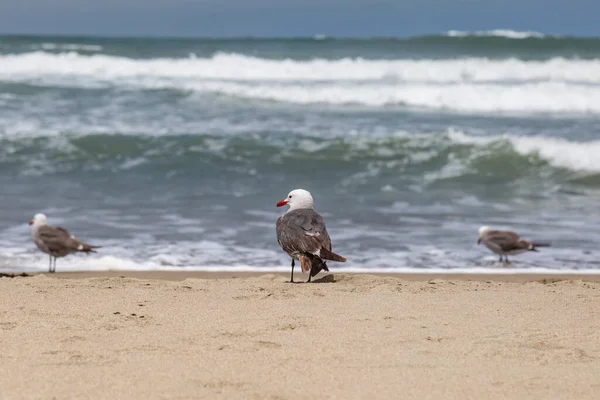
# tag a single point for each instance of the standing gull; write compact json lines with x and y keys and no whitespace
{"x":55,"y":241}
{"x":504,"y":243}
{"x":302,"y":234}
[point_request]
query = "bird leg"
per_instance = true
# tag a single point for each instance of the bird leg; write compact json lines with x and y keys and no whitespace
{"x":500,"y":260}
{"x":309,"y":277}
{"x":50,"y":265}
{"x":292,"y":277}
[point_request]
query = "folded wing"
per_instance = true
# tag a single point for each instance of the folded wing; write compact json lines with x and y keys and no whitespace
{"x":302,"y":231}
{"x":506,"y":241}
{"x":58,"y":241}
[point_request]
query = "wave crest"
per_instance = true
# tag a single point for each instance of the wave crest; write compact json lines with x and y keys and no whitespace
{"x":505,"y":33}
{"x":454,"y":153}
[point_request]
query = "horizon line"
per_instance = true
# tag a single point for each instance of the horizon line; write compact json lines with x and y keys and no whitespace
{"x":315,"y":37}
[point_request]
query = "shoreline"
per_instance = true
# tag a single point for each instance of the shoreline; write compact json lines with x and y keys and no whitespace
{"x":300,"y":278}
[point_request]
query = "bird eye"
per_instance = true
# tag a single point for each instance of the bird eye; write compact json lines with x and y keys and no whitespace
{"x":290,"y":196}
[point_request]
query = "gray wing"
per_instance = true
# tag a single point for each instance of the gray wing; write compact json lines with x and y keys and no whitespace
{"x":302,"y":231}
{"x":57,"y":240}
{"x":505,"y":241}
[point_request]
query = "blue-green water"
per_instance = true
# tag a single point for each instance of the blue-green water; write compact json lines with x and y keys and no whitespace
{"x":174,"y":152}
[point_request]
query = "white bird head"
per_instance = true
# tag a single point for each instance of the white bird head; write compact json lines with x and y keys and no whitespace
{"x":482,"y":231}
{"x":298,"y":198}
{"x":39,"y":220}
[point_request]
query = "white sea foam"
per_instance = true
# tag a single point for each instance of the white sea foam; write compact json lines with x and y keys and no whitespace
{"x":518,"y":99}
{"x":505,"y":33}
{"x":69,"y":47}
{"x":479,"y":85}
{"x":242,"y":68}
{"x":180,"y":256}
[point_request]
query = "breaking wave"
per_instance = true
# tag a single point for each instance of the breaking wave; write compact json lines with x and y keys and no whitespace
{"x":471,"y":85}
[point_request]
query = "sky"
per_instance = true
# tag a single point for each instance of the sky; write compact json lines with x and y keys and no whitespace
{"x":284,"y":18}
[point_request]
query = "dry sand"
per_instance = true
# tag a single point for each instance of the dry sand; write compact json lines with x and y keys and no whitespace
{"x":348,"y":336}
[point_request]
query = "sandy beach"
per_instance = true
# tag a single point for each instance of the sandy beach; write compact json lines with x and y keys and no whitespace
{"x":144,"y":335}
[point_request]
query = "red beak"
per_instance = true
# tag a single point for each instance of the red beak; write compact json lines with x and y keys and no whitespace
{"x":30,"y":222}
{"x":281,"y":203}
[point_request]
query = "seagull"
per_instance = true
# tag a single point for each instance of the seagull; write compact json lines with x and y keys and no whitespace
{"x":504,"y":243}
{"x":55,"y":241}
{"x":302,"y":234}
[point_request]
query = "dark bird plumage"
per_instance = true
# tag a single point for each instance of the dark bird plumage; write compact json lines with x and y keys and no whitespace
{"x":506,"y":243}
{"x":302,"y":234}
{"x":56,"y":241}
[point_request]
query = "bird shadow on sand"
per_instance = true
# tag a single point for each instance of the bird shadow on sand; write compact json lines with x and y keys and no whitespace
{"x":326,"y":279}
{"x":7,"y":275}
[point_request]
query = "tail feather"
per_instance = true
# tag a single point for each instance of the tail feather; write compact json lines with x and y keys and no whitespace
{"x":535,"y":244}
{"x":87,"y":248}
{"x":317,"y":266}
{"x":330,"y":255}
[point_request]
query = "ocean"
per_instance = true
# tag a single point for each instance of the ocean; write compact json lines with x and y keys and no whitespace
{"x":172,"y":153}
